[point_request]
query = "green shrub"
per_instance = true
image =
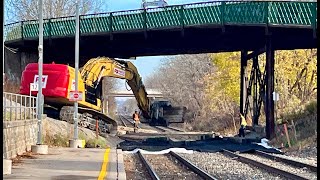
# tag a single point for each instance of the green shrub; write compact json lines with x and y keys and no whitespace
{"x":311,"y":107}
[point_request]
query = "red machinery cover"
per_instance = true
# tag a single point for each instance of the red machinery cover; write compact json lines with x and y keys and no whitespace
{"x":57,"y":79}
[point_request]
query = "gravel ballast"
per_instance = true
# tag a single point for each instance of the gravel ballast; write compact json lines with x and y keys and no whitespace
{"x":311,"y":161}
{"x":224,"y":167}
{"x":134,"y":168}
{"x":304,"y":172}
{"x":168,"y":167}
{"x":308,"y":152}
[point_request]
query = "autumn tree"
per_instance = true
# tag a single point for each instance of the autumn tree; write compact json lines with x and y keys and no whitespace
{"x":222,"y":89}
{"x":209,"y":85}
{"x":180,"y":78}
{"x":18,"y":10}
{"x":295,"y":81}
{"x":296,"y":78}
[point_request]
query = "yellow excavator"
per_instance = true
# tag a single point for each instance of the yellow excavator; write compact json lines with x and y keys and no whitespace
{"x":59,"y":80}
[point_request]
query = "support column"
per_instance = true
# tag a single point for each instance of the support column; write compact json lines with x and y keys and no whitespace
{"x":255,"y":91}
{"x":243,"y":76}
{"x":269,"y":89}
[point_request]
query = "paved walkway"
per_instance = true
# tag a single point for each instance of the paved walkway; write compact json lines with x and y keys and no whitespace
{"x":67,"y":163}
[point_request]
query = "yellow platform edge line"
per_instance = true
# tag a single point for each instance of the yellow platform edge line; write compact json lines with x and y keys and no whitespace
{"x":103,"y":171}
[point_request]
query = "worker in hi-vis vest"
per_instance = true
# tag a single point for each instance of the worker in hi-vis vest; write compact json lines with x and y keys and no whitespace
{"x":136,"y":119}
{"x":243,"y":126}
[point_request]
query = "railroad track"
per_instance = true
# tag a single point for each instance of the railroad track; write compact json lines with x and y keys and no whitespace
{"x":221,"y":165}
{"x":172,"y":166}
{"x":168,"y":129}
{"x":276,"y":165}
{"x":125,"y":121}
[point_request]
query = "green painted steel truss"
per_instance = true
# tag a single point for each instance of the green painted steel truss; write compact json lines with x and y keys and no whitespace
{"x":198,"y":14}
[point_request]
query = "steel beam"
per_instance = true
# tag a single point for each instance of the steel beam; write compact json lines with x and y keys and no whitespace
{"x":255,"y":91}
{"x":254,"y":87}
{"x":269,"y":81}
{"x":256,"y":53}
{"x":262,"y":91}
{"x":249,"y":93}
{"x":243,"y":77}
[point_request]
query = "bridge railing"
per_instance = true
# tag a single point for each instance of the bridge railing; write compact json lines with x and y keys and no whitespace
{"x":18,"y":107}
{"x":276,"y":13}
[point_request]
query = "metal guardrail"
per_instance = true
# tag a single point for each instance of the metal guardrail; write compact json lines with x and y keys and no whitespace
{"x":18,"y":107}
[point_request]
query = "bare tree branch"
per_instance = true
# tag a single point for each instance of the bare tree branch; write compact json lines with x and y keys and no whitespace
{"x":20,"y":10}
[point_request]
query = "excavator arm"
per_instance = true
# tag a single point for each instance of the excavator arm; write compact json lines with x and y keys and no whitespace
{"x":93,"y":71}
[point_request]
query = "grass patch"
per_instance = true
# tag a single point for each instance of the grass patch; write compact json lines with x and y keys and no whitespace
{"x":93,"y":142}
{"x":100,"y":142}
{"x":57,"y":140}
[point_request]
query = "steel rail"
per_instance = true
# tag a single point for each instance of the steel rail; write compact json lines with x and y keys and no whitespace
{"x":121,"y":119}
{"x":286,"y":161}
{"x":194,"y":168}
{"x":164,"y":129}
{"x":156,"y":127}
{"x":151,"y":171}
{"x":125,"y":120}
{"x":175,"y":129}
{"x":264,"y":166}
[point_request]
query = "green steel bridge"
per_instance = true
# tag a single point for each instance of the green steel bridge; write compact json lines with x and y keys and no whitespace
{"x":208,"y":27}
{"x":192,"y":21}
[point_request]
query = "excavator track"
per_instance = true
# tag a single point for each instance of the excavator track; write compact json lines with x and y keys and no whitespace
{"x":87,"y":118}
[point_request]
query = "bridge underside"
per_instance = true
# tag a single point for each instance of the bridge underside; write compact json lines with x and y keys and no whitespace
{"x":192,"y":40}
{"x":188,"y":40}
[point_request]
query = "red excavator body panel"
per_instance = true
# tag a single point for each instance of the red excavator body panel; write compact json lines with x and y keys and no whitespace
{"x":55,"y":77}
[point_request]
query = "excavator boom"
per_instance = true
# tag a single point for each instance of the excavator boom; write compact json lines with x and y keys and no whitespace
{"x":157,"y":111}
{"x":95,"y":69}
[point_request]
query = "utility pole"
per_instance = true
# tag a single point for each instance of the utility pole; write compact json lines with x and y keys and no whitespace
{"x":40,"y":66}
{"x":39,"y":147}
{"x":76,"y":70}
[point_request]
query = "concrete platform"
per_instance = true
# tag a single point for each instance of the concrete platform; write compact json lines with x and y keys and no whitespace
{"x":68,"y":163}
{"x":39,"y":149}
